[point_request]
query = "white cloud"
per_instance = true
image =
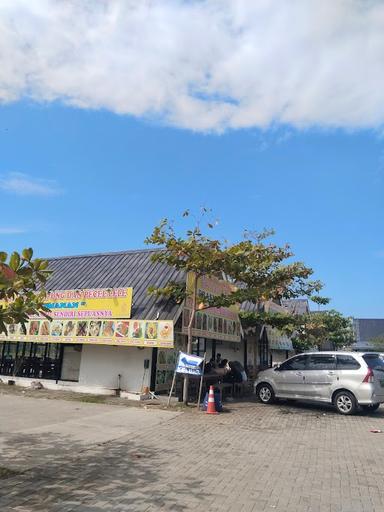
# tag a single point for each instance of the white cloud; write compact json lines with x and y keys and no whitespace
{"x":24,"y":185}
{"x":11,"y":231}
{"x":202,"y":65}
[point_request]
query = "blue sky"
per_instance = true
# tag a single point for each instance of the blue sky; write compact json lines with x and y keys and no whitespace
{"x":114,"y":117}
{"x":102,"y":181}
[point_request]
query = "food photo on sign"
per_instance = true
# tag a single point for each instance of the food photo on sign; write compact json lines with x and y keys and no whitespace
{"x":109,"y":329}
{"x":137,"y":330}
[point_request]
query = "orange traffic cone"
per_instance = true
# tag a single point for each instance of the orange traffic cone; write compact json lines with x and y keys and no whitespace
{"x":211,"y":408}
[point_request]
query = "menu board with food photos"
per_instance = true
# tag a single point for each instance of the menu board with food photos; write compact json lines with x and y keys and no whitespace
{"x":146,"y":333}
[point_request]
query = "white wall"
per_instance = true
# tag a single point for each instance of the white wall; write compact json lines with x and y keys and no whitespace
{"x":101,"y":364}
{"x":228,"y":351}
{"x":252,"y":352}
{"x":278,"y":356}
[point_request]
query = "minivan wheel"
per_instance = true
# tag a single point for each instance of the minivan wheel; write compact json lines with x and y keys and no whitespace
{"x":345,"y":403}
{"x":265,"y":393}
{"x":370,"y":407}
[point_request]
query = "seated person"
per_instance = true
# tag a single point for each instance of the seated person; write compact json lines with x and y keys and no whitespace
{"x":209,"y":366}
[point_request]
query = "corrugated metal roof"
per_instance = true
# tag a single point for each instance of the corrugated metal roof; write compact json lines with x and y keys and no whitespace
{"x":296,"y":306}
{"x":265,"y":306}
{"x":121,"y":269}
{"x":250,"y":307}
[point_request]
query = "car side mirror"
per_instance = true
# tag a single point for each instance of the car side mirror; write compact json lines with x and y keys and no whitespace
{"x":277,"y":368}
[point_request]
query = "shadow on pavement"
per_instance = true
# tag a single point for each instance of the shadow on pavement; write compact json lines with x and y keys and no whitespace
{"x":114,"y":476}
{"x":292,"y":406}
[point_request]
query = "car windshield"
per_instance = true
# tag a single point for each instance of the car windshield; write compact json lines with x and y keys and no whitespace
{"x":374,"y":361}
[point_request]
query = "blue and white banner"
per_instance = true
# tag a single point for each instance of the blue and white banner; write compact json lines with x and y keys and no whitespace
{"x":189,"y":364}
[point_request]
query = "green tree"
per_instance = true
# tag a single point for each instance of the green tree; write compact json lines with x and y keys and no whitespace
{"x":310,"y":330}
{"x":258,"y":269}
{"x":22,"y":293}
{"x":317,"y":328}
{"x":378,"y":343}
{"x":287,"y":323}
{"x":320,"y":301}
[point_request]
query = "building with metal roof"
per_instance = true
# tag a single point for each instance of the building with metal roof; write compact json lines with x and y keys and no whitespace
{"x":296,"y":306}
{"x":108,"y":333}
{"x":118,"y":270}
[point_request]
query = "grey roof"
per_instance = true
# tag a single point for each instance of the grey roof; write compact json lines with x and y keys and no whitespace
{"x":120,"y":269}
{"x":367,"y":329}
{"x":250,"y":307}
{"x":296,"y":306}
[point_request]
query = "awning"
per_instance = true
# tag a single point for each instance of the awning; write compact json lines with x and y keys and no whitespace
{"x":277,"y":340}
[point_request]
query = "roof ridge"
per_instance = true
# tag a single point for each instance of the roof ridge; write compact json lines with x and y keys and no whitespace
{"x":369,"y":318}
{"x":101,"y":254}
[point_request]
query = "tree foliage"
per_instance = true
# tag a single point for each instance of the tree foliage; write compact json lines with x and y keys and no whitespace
{"x":307,"y":331}
{"x":317,"y":329}
{"x":258,"y":269}
{"x":285,"y":322}
{"x":320,"y":301}
{"x":378,"y":343}
{"x":22,"y":281}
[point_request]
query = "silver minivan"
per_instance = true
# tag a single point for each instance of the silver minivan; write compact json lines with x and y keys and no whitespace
{"x":348,"y":380}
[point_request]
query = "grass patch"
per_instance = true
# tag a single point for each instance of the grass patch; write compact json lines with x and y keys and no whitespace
{"x":93,"y":399}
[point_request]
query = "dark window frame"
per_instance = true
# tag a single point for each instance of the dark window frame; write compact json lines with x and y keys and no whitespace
{"x":290,"y":361}
{"x":319,"y":356}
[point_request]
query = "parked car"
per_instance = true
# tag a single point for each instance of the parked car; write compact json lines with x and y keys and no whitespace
{"x":347,"y":380}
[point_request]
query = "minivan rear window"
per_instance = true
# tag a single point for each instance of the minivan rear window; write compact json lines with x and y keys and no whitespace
{"x":347,"y":363}
{"x":374,"y":361}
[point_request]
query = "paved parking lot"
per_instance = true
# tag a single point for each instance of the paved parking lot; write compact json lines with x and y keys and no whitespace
{"x":80,"y":457}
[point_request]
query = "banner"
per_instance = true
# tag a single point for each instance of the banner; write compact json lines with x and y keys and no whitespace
{"x":146,"y":333}
{"x":214,"y":323}
{"x":189,"y":364}
{"x":90,"y":303}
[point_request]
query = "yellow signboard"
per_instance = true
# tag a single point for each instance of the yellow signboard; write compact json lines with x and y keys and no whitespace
{"x":139,"y":333}
{"x":93,"y":316}
{"x":90,"y":303}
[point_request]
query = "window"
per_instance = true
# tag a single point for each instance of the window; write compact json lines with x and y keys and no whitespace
{"x":321,"y":362}
{"x":347,"y":363}
{"x":198,"y":346}
{"x":296,"y":363}
{"x":53,"y":351}
{"x":374,"y":361}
